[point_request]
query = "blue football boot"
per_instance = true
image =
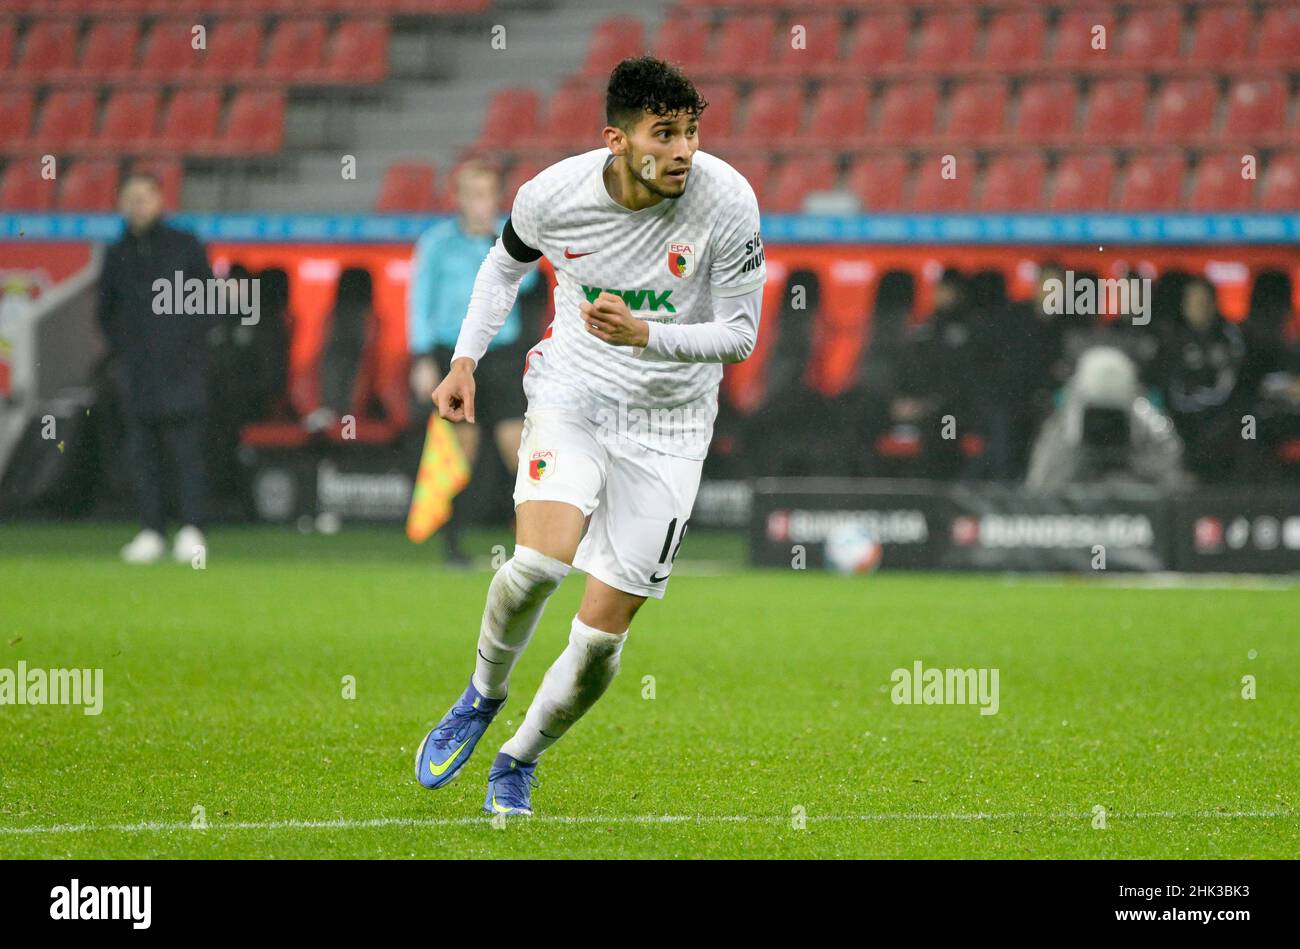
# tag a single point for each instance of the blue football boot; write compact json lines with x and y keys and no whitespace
{"x":448,"y":746}
{"x":510,"y":785}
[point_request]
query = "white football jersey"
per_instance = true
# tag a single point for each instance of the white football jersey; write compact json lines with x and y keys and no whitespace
{"x":668,"y":261}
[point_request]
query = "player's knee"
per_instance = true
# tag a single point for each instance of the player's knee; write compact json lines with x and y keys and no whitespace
{"x":537,"y":574}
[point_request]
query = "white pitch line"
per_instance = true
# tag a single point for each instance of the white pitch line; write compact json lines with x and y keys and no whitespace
{"x":342,"y":824}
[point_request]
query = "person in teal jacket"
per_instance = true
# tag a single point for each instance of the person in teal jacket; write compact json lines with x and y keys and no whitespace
{"x":446,"y":261}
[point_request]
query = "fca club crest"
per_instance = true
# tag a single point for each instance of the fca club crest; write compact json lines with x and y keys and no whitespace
{"x":681,"y":258}
{"x":541,"y":464}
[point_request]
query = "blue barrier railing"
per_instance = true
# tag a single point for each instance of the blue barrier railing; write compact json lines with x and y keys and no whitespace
{"x":901,"y":229}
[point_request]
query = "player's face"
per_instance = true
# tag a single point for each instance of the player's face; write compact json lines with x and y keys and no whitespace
{"x":660,"y":150}
{"x":141,"y":204}
{"x":477,"y":197}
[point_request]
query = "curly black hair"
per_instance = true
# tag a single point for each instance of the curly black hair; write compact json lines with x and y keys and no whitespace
{"x":645,"y":84}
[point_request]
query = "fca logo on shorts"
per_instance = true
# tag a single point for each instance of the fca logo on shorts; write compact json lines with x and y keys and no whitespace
{"x":541,"y":464}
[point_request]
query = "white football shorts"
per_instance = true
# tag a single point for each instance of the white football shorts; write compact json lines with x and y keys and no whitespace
{"x":639,"y":499}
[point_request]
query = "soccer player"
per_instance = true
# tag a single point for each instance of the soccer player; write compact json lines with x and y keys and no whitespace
{"x":660,"y":271}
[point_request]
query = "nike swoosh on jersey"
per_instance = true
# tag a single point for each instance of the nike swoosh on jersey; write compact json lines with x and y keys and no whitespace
{"x":585,"y":253}
{"x":437,"y":770}
{"x":658,"y":579}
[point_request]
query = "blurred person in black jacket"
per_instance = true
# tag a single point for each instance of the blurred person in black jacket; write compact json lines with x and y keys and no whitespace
{"x":159,"y":367}
{"x":1031,"y":354}
{"x":1271,"y":376}
{"x":1202,"y":360}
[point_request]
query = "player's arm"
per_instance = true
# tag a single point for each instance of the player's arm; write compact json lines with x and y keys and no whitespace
{"x":730,"y":337}
{"x":490,"y":302}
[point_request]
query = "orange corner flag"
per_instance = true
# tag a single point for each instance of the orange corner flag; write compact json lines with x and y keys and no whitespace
{"x":443,"y":474}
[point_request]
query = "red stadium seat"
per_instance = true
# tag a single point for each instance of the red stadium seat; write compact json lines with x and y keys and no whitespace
{"x":168,"y":53}
{"x":256,"y":123}
{"x":357,"y":52}
{"x":774,"y":115}
{"x":1256,"y":109}
{"x":234,"y":50}
{"x":947,"y":39}
{"x":1046,"y":111}
{"x":879,"y":181}
{"x":49,"y":46}
{"x":977,"y":111}
{"x":1221,"y":36}
{"x":1279,"y":37}
{"x":1217,"y":184}
{"x":1014,"y":182}
{"x":190,"y":120}
{"x":572,"y":116}
{"x":169,"y":174}
{"x":407,"y":186}
{"x":1185,"y":110}
{"x":1116,"y":112}
{"x":1083,"y":182}
{"x":743,"y":46}
{"x":932,"y":192}
{"x":89,"y":186}
{"x":615,"y":38}
{"x":22,"y":188}
{"x":717,"y":125}
{"x":907,"y":112}
{"x":839,"y":115}
{"x":1153,"y":182}
{"x":297,"y":50}
{"x":67,"y":120}
{"x":511,"y":118}
{"x":130,"y":120}
{"x":16,"y":110}
{"x":820,"y":47}
{"x":878,"y":40}
{"x":1014,"y":39}
{"x":800,"y":175}
{"x":1151,"y":37}
{"x":684,"y":41}
{"x":1280,"y":186}
{"x":110,"y":49}
{"x":1074,"y":38}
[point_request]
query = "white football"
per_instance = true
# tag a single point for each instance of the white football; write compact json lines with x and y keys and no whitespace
{"x":851,"y":548}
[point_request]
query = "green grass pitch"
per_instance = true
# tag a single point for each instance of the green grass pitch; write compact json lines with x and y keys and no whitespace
{"x":771,"y":702}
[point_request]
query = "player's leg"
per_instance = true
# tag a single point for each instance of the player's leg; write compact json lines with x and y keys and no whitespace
{"x":583,"y":671}
{"x":144,"y":448}
{"x":554,"y":493}
{"x":507,"y":434}
{"x":627,"y":554}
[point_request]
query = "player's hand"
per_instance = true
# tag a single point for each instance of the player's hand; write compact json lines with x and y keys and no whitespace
{"x":454,"y":396}
{"x":424,"y":376}
{"x":609,"y":319}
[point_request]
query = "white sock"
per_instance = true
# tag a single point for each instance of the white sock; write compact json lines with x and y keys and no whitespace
{"x":570,"y":687}
{"x":515,"y":600}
